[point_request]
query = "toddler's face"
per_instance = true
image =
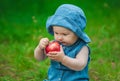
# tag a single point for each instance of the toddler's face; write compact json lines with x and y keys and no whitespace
{"x":64,"y":36}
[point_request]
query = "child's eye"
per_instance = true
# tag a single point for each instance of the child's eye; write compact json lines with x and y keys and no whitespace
{"x":64,"y":34}
{"x":56,"y":33}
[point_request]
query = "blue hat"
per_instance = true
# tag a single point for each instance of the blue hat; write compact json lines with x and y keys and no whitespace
{"x":71,"y":17}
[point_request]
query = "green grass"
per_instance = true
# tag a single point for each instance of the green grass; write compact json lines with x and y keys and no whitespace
{"x":21,"y":32}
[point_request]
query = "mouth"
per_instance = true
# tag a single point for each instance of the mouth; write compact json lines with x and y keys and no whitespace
{"x":63,"y":43}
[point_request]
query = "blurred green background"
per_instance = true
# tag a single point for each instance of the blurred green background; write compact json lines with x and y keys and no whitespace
{"x":22,"y":24}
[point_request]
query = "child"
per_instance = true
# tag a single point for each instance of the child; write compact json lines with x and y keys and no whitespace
{"x":71,"y":63}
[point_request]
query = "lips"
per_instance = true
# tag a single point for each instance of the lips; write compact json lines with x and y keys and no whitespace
{"x":63,"y":43}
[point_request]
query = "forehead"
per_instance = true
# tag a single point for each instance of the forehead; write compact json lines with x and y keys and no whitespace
{"x":60,"y":29}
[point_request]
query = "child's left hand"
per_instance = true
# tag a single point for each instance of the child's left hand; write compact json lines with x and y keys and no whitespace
{"x":57,"y":56}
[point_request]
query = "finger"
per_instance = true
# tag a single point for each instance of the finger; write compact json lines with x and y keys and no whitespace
{"x":42,"y":45}
{"x":53,"y":53}
{"x":46,"y":40}
{"x":48,"y":54}
{"x":51,"y":56}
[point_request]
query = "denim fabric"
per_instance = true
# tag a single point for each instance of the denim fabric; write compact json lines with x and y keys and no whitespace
{"x":59,"y":72}
{"x":71,"y":17}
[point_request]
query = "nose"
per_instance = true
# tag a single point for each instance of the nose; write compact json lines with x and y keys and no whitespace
{"x":60,"y":38}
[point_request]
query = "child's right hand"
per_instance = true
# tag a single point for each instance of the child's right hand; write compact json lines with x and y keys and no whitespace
{"x":43,"y":43}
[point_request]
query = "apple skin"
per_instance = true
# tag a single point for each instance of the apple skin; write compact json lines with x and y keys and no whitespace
{"x":53,"y":46}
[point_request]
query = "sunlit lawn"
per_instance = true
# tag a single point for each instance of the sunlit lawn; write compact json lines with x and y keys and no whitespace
{"x":19,"y":38}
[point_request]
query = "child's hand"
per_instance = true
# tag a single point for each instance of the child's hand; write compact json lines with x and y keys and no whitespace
{"x":43,"y":43}
{"x":57,"y":56}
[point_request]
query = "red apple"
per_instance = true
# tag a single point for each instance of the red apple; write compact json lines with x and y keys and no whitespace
{"x":52,"y":47}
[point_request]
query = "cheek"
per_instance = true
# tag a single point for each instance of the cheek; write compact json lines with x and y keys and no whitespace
{"x":67,"y":39}
{"x":72,"y":39}
{"x":55,"y":37}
